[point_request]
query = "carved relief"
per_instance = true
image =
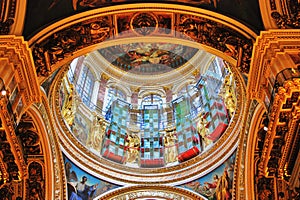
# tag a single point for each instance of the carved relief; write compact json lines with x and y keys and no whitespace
{"x":218,"y":36}
{"x":10,"y":147}
{"x":97,"y":133}
{"x":7,"y":16}
{"x":144,"y":23}
{"x":29,"y":139}
{"x":132,"y":145}
{"x":265,"y":188}
{"x":290,"y":17}
{"x":6,"y":193}
{"x":282,"y":128}
{"x":64,"y":43}
{"x":36,"y":182}
{"x":5,"y":26}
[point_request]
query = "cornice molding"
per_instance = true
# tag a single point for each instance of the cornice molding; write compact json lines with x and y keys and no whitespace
{"x":173,"y":175}
{"x":151,"y":191}
{"x":16,"y":54}
{"x":269,"y":46}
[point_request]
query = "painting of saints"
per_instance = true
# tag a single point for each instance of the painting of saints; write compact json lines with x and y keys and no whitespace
{"x":86,"y":188}
{"x":216,"y":185}
{"x":221,"y":186}
{"x":81,"y":190}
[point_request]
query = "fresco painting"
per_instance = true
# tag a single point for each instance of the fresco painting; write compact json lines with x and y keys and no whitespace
{"x":217,"y":184}
{"x":148,"y":57}
{"x":81,"y":127}
{"x":83,"y":186}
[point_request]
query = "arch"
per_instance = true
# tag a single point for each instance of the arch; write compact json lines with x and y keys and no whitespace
{"x":188,"y":81}
{"x":47,"y":60}
{"x":123,"y":88}
{"x":91,"y":64}
{"x":151,"y":191}
{"x":145,"y":92}
{"x":49,"y":145}
{"x":190,"y":169}
{"x":112,"y":85}
{"x":250,"y":150}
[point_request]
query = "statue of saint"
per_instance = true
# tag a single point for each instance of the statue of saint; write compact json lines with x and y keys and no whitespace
{"x":69,"y":109}
{"x":133,"y":146}
{"x":170,"y":146}
{"x":203,"y":130}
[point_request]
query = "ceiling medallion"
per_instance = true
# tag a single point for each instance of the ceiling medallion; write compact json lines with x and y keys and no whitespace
{"x":144,"y":23}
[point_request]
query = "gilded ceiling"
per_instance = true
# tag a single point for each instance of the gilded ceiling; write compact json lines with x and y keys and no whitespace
{"x":41,"y":13}
{"x":154,"y":39}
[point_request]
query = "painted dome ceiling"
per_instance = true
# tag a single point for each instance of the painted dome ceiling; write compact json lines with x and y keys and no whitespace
{"x":148,"y":58}
{"x":139,"y":102}
{"x":149,"y":107}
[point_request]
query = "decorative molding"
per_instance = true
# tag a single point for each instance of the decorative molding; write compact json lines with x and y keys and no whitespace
{"x":240,"y":178}
{"x":267,"y":52}
{"x":172,"y":175}
{"x":15,"y":147}
{"x":54,"y":46}
{"x":271,"y":56}
{"x":282,"y":14}
{"x":57,"y":185}
{"x":151,"y":191}
{"x":276,"y":139}
{"x":7,"y":15}
{"x":16,"y":55}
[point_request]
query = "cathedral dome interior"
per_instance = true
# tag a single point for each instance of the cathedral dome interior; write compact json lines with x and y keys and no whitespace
{"x":162,"y":103}
{"x":154,"y":100}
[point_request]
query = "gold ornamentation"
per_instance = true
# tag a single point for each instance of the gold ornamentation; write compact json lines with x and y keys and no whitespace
{"x":151,"y":191}
{"x":144,"y":23}
{"x":270,"y":46}
{"x":20,"y":170}
{"x":228,"y":94}
{"x":69,"y":107}
{"x":203,"y":130}
{"x":170,"y":140}
{"x":93,"y":29}
{"x":280,"y":107}
{"x":124,"y":174}
{"x":18,"y":61}
{"x":133,"y":144}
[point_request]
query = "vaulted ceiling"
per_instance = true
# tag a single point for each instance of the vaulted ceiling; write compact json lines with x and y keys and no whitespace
{"x":246,"y":33}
